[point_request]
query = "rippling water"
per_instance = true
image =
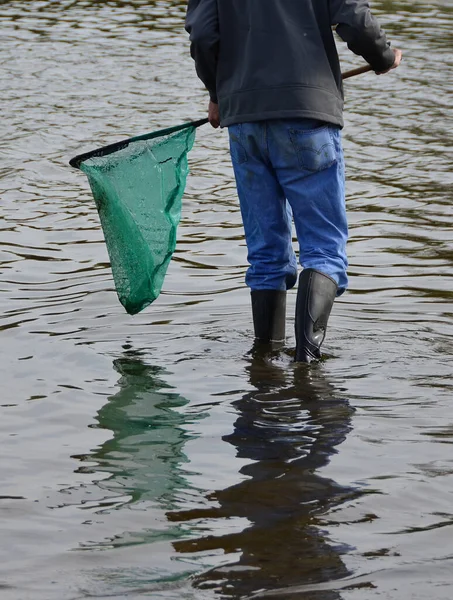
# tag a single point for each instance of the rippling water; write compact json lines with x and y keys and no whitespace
{"x":154,"y":456}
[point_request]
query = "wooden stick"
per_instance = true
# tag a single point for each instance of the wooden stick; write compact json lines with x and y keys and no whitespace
{"x":354,"y":72}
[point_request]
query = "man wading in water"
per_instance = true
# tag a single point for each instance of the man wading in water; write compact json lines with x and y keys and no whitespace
{"x":273,"y":75}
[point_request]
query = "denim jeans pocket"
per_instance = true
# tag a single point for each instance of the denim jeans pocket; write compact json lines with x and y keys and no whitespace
{"x":237,"y":149}
{"x":315,"y":148}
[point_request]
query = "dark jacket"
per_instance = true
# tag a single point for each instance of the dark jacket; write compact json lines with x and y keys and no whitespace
{"x":273,"y":59}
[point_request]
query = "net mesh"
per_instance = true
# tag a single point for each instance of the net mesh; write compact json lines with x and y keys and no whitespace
{"x":138,"y":191}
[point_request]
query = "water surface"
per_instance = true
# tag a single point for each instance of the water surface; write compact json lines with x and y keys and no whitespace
{"x":156,"y":456}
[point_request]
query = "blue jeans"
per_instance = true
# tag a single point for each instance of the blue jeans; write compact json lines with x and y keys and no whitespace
{"x":291,"y":169}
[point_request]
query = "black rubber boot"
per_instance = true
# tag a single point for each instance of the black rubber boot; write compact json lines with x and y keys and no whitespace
{"x":315,"y":298}
{"x":269,"y":315}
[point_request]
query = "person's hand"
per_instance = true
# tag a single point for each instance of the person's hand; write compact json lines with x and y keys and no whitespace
{"x":398,"y":56}
{"x":213,"y":114}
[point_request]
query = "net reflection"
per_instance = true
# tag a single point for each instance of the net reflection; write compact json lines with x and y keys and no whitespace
{"x":141,"y":463}
{"x":288,"y":431}
{"x":146,"y":450}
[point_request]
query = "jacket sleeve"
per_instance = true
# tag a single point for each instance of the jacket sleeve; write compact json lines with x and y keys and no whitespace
{"x":357,"y":26}
{"x":202,"y":24}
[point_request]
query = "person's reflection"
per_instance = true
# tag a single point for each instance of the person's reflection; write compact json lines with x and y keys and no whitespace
{"x":288,"y":431}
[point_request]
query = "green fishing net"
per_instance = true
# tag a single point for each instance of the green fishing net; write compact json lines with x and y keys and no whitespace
{"x":138,"y":186}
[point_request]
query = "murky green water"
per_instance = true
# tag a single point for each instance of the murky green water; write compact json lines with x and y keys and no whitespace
{"x":153,"y":456}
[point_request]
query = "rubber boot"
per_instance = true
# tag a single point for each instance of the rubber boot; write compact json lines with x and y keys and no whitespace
{"x":315,"y":298}
{"x":269,"y":315}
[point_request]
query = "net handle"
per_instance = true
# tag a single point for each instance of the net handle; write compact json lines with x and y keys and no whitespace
{"x":358,"y":71}
{"x":105,"y":150}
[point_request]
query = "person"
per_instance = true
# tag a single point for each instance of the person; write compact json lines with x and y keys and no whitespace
{"x":273,"y":75}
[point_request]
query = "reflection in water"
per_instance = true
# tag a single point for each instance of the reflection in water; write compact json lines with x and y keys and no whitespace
{"x":147,"y":445}
{"x":287,"y":432}
{"x":143,"y":458}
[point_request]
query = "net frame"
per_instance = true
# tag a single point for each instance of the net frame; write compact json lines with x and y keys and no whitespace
{"x":110,"y":148}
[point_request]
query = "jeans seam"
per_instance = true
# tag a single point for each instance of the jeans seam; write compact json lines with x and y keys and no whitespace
{"x":266,"y":143}
{"x":242,"y":156}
